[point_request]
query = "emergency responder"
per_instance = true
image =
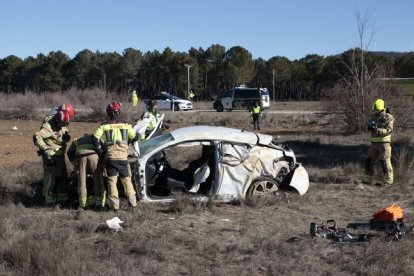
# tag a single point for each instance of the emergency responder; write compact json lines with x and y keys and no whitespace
{"x":154,"y":116}
{"x":51,"y":140}
{"x":191,"y":95}
{"x":82,"y":154}
{"x":111,"y":141}
{"x":256,"y":113}
{"x":380,"y":126}
{"x":134,"y":98}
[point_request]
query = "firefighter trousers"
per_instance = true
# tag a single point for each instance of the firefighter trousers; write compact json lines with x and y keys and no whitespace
{"x":90,"y":164}
{"x":379,"y":152}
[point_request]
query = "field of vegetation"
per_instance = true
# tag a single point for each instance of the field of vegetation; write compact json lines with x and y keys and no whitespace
{"x":407,"y":86}
{"x":259,"y":236}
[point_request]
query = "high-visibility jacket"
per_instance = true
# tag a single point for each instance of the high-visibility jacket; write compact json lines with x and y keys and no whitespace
{"x":115,"y":137}
{"x":256,"y":109}
{"x":134,"y":98}
{"x":50,"y":138}
{"x":385,"y":125}
{"x":154,"y":117}
{"x":82,"y":146}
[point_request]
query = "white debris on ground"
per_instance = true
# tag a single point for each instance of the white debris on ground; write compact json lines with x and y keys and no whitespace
{"x":114,"y":224}
{"x":14,"y":128}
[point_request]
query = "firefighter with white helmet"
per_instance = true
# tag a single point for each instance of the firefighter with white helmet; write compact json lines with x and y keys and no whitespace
{"x":380,"y":126}
{"x":51,"y":140}
{"x":111,"y":141}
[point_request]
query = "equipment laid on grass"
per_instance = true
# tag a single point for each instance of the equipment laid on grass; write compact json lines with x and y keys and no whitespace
{"x":389,"y":220}
{"x":329,"y":230}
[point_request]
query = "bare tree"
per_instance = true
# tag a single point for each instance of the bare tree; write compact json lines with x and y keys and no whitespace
{"x":358,"y":84}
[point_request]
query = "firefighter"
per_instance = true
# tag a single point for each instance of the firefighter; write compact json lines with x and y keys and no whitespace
{"x":111,"y":141}
{"x":51,"y":140}
{"x":154,"y":116}
{"x":380,"y":126}
{"x":134,"y":98}
{"x":256,"y":113}
{"x":82,"y":154}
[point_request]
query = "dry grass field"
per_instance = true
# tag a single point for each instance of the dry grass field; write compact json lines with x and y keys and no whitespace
{"x":262,"y":236}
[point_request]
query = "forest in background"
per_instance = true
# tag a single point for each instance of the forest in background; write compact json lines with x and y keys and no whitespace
{"x":208,"y":72}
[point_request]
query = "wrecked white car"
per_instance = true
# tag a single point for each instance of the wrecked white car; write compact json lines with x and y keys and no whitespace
{"x":222,"y":163}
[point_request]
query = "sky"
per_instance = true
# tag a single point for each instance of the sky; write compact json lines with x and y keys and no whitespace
{"x":266,"y":28}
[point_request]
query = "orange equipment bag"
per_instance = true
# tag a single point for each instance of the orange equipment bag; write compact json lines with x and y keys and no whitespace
{"x":389,"y":213}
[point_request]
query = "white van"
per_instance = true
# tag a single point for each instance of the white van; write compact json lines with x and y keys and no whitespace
{"x":242,"y":98}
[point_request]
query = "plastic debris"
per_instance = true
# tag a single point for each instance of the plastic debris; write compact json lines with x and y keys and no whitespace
{"x":114,"y":223}
{"x":14,"y":128}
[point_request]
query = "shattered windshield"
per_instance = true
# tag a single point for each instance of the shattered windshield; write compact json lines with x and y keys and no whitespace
{"x":153,"y":143}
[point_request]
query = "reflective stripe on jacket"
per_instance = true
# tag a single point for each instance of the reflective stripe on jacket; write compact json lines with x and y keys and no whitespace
{"x":115,"y":138}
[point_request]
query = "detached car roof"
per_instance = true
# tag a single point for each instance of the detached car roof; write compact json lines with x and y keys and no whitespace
{"x":220,"y":133}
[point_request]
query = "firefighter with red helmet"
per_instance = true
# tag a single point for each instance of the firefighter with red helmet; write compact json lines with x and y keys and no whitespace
{"x":111,"y":141}
{"x":51,"y":140}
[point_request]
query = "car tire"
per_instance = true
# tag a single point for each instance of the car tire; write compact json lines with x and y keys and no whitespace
{"x":262,"y":186}
{"x":220,"y":108}
{"x":176,"y":107}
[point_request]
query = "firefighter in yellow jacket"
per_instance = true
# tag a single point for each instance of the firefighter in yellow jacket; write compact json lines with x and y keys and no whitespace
{"x":51,"y":140}
{"x":111,"y":141}
{"x":381,"y":126}
{"x":82,"y":154}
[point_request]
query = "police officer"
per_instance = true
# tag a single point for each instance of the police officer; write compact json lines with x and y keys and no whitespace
{"x":111,"y":141}
{"x":256,"y":113}
{"x":154,"y":116}
{"x":51,"y":140}
{"x":82,"y":154}
{"x":134,"y":98}
{"x":380,"y":126}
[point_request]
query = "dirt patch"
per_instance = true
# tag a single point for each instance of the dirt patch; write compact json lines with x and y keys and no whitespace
{"x":16,"y":139}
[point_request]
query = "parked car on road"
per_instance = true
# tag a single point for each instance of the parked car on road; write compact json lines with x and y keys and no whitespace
{"x":168,"y":101}
{"x":242,"y":97}
{"x":218,"y":162}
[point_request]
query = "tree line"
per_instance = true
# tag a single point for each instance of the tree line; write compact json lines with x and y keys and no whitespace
{"x":210,"y":72}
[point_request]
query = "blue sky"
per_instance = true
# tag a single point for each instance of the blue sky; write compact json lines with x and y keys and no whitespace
{"x":266,"y":28}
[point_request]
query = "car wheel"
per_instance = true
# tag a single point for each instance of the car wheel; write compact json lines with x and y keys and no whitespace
{"x":176,"y":107}
{"x":220,"y":108}
{"x":262,"y":186}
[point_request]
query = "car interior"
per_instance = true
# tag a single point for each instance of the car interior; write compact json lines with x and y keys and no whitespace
{"x":185,"y":168}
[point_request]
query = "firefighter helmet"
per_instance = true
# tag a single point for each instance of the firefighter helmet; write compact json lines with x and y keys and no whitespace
{"x":62,"y":117}
{"x":113,"y":107}
{"x":68,"y":108}
{"x":378,"y":105}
